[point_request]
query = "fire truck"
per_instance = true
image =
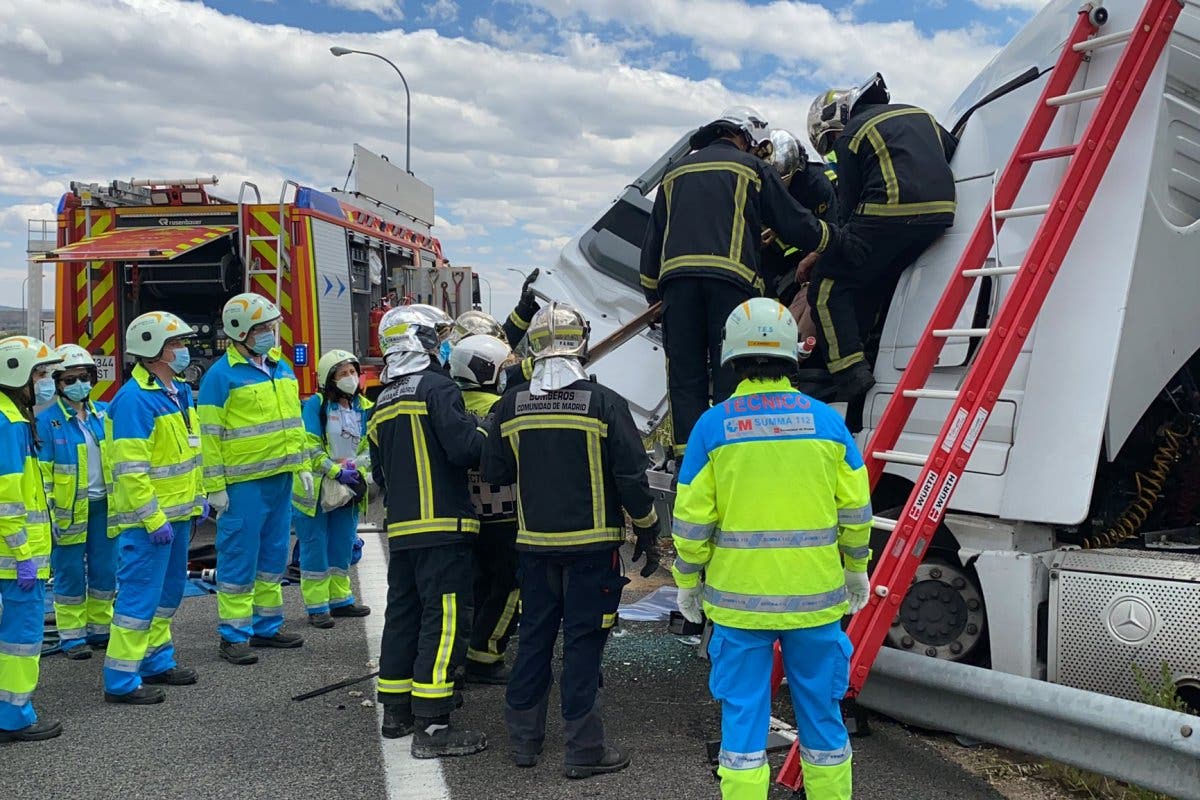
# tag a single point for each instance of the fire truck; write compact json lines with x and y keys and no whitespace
{"x":332,"y":261}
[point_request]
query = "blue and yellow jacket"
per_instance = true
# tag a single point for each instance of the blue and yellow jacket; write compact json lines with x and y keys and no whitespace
{"x":63,"y":455}
{"x":772,"y":496}
{"x":317,"y":455}
{"x":24,"y":515}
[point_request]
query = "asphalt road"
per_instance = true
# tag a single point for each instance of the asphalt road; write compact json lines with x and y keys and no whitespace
{"x":237,"y":735}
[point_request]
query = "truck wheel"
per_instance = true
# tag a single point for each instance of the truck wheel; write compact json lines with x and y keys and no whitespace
{"x":942,"y":615}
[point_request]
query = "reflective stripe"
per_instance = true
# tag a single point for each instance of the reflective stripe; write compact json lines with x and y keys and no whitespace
{"x":139,"y":514}
{"x":516,"y":320}
{"x":68,"y":600}
{"x":775,"y":604}
{"x":435,"y":525}
{"x":715,"y":262}
{"x":175,"y":470}
{"x":391,"y":686}
{"x":826,"y":758}
{"x":692,"y":531}
{"x":732,"y":760}
{"x":130,"y":623}
{"x":66,"y":470}
{"x":102,"y":596}
{"x":67,"y":634}
{"x":607,"y":621}
{"x":15,"y":540}
{"x":210,"y":429}
{"x":269,"y":465}
{"x":441,"y":661}
{"x":235,"y":588}
{"x":510,"y":608}
{"x":870,"y":124}
{"x":648,"y":520}
{"x":214,"y":472}
{"x":570,"y":538}
{"x":427,"y":691}
{"x":886,"y":169}
{"x":648,"y":282}
{"x":11,"y":563}
{"x":738,"y":233}
{"x":237,"y":622}
{"x":130,"y":468}
{"x":20,"y":650}
{"x":273,"y":426}
{"x":855,"y":516}
{"x":181,"y":510}
{"x":97,"y":629}
{"x":121,"y":664}
{"x":310,"y":575}
{"x":826,"y":319}
{"x":269,"y":577}
{"x":482,"y":657}
{"x":686,"y":567}
{"x":596,"y":476}
{"x":571,"y":422}
{"x":15,"y":698}
{"x":821,"y":245}
{"x":338,"y":572}
{"x":856,"y":552}
{"x":37,"y":517}
{"x":12,"y":509}
{"x":165,"y":612}
{"x":740,"y":170}
{"x":268,"y":611}
{"x":907,"y":209}
{"x":424,"y":468}
{"x":742,"y":540}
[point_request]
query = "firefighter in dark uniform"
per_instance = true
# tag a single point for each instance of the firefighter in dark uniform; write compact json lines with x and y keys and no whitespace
{"x":701,"y":253}
{"x":895,"y":192}
{"x":476,"y":364}
{"x":572,"y":449}
{"x":423,"y":441}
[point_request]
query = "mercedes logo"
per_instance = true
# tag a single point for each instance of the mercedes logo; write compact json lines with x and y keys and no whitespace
{"x":1131,"y":619}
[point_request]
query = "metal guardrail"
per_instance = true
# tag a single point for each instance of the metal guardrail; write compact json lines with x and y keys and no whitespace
{"x":1144,"y":745}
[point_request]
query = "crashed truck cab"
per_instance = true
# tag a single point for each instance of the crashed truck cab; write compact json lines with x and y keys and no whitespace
{"x":1071,"y":550}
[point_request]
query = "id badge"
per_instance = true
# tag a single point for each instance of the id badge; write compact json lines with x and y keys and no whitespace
{"x":193,"y":441}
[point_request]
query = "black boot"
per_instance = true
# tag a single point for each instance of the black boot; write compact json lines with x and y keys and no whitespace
{"x":493,"y":674}
{"x":78,"y":653}
{"x":435,"y":738}
{"x":614,"y":759}
{"x":397,"y":721}
{"x":238,"y":653}
{"x":352,"y":610}
{"x":39,"y":731}
{"x":179,"y":676}
{"x":281,"y":640}
{"x":322,"y":620}
{"x":141,"y":696}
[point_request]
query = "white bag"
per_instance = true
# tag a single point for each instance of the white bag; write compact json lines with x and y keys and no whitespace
{"x":334,"y":494}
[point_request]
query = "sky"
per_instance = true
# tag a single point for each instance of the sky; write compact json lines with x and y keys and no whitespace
{"x":528,"y":116}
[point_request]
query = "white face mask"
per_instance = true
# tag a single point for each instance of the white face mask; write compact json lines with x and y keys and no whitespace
{"x":348,"y":384}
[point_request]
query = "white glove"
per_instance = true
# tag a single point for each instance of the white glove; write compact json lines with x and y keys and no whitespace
{"x":218,"y":502}
{"x":689,"y":602}
{"x":858,"y":588}
{"x":306,"y":480}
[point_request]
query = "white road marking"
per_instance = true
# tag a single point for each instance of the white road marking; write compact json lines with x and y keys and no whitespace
{"x":408,"y":778}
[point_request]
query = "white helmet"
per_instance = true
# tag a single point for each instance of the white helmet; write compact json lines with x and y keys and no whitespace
{"x":20,"y":356}
{"x":148,"y":334}
{"x":478,"y":360}
{"x":783,"y":152}
{"x":739,"y":118}
{"x":558,"y":330}
{"x":473,"y":323}
{"x":760,"y":327}
{"x":329,"y":363}
{"x":831,"y":110}
{"x":417,"y":328}
{"x":73,"y":355}
{"x":244,"y":311}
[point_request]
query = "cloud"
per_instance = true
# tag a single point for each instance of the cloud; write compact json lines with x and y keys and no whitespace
{"x":1000,"y":5}
{"x":384,"y":9}
{"x":30,"y":41}
{"x":442,"y":11}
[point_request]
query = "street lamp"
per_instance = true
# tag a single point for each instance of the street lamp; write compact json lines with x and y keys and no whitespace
{"x":341,"y":51}
{"x":489,"y":288}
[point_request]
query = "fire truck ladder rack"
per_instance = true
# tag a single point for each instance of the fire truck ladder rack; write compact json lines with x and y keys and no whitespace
{"x":1001,"y":342}
{"x":250,"y":262}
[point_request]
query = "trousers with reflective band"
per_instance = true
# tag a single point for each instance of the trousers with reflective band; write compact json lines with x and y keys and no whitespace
{"x":151,"y":579}
{"x":64,"y":457}
{"x":152,"y":441}
{"x":250,"y":421}
{"x":24,"y":516}
{"x":817,"y":664}
{"x":496,"y":596}
{"x":85,"y":582}
{"x":252,"y":552}
{"x":773,"y":502}
{"x":22,"y":624}
{"x":326,"y":547}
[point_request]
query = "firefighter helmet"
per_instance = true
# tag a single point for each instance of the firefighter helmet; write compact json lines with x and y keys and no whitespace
{"x":72,"y":356}
{"x":478,"y":360}
{"x":743,"y":119}
{"x":148,"y":334}
{"x":473,"y":323}
{"x":759,"y":327}
{"x":246,"y":310}
{"x":417,"y":328}
{"x":785,"y":153}
{"x":329,"y":363}
{"x":831,"y":110}
{"x":20,"y":356}
{"x":558,"y":330}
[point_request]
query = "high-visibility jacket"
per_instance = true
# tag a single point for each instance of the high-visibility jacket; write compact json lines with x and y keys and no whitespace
{"x":24,"y":512}
{"x":314,"y":413}
{"x":249,"y":420}
{"x":494,"y":502}
{"x":771,"y":488}
{"x":577,"y":459}
{"x":154,"y":445}
{"x":63,"y":455}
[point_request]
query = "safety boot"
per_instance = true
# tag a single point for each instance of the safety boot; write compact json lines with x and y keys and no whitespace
{"x":281,"y":640}
{"x":238,"y":653}
{"x":397,"y":721}
{"x":141,"y":696}
{"x":493,"y":674}
{"x":435,"y":738}
{"x":179,"y":676}
{"x":78,"y":653}
{"x":322,"y":620}
{"x":352,"y":610}
{"x":614,"y":759}
{"x":39,"y":731}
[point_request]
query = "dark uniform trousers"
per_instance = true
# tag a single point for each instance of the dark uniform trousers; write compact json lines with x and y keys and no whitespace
{"x":580,"y":592}
{"x":495,"y":592}
{"x":846,"y":297}
{"x":693,"y":322}
{"x":426,"y":627}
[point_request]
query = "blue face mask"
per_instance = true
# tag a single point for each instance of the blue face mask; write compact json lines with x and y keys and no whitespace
{"x":444,"y":352}
{"x":180,"y":360}
{"x":262,"y":343}
{"x":78,"y":392}
{"x":43,"y":391}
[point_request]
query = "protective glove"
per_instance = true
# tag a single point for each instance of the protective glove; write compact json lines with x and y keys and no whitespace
{"x":26,"y":575}
{"x":647,"y":545}
{"x":205,"y":508}
{"x":526,"y":292}
{"x":164,"y":535}
{"x":306,"y":480}
{"x":853,"y":248}
{"x":349,"y":476}
{"x":690,"y":603}
{"x":218,"y":502}
{"x":858,"y":589}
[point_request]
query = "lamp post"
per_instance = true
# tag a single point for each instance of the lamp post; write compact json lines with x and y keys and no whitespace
{"x":489,"y":288}
{"x":341,"y":51}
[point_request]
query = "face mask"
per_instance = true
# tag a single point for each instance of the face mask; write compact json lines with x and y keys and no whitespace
{"x":262,"y":343}
{"x":444,"y":352}
{"x":348,"y":384}
{"x":77,"y":392}
{"x":43,"y":391}
{"x":180,"y":360}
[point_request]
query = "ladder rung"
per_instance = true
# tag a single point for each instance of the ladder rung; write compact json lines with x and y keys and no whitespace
{"x":1076,"y":97}
{"x":972,"y":333}
{"x":1096,"y":42}
{"x":1022,"y":211}
{"x":985,"y":271}
{"x":262,"y":238}
{"x":932,"y":394}
{"x":900,"y":457}
{"x":883,"y":523}
{"x":1048,"y":153}
{"x":262,"y":272}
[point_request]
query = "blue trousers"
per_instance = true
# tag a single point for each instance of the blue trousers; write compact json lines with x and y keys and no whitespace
{"x":817,"y":664}
{"x":22,"y":616}
{"x":252,"y":552}
{"x":326,"y":548}
{"x":150,"y":578}
{"x":85,"y":582}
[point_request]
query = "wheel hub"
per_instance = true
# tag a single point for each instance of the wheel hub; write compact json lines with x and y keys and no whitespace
{"x":942,"y":614}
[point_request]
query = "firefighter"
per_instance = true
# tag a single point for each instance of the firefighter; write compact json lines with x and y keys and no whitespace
{"x":895,"y":192}
{"x":422,"y":443}
{"x":75,"y":467}
{"x":335,"y":422}
{"x":701,"y":253}
{"x":571,"y":447}
{"x":153,"y":435}
{"x":476,"y":364}
{"x":25,"y":382}
{"x":774,"y":508}
{"x":254,"y":448}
